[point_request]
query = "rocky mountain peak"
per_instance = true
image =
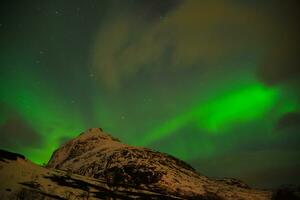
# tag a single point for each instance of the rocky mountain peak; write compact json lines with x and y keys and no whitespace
{"x":98,"y":155}
{"x":91,"y":139}
{"x":95,"y":165}
{"x":97,"y":133}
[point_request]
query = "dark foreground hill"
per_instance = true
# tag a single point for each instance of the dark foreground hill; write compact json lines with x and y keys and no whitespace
{"x":95,"y":165}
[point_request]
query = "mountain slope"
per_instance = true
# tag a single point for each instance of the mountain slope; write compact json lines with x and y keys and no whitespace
{"x":22,"y":179}
{"x":95,"y":165}
{"x":98,"y":155}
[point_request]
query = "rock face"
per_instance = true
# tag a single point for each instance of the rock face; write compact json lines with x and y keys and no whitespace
{"x":97,"y":166}
{"x":21,"y":179}
{"x":100,"y":156}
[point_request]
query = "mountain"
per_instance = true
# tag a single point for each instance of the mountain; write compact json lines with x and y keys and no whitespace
{"x":95,"y":165}
{"x":24,"y":180}
{"x":98,"y":155}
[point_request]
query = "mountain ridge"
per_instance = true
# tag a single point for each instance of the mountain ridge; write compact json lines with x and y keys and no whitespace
{"x":95,"y":165}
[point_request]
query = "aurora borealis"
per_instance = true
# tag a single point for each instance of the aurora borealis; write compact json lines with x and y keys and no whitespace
{"x":215,"y":83}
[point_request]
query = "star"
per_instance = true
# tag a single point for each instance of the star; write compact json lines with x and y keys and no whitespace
{"x":58,"y":13}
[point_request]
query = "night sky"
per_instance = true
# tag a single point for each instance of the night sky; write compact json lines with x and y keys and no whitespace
{"x":215,"y":83}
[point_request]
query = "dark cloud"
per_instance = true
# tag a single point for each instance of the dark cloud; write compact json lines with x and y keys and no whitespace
{"x":155,"y":9}
{"x":289,"y":120}
{"x":192,"y":33}
{"x":16,"y":133}
{"x":281,"y":63}
{"x":264,"y":169}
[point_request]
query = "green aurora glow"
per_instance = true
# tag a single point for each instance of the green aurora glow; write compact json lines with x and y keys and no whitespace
{"x":226,"y":110}
{"x":223,"y":111}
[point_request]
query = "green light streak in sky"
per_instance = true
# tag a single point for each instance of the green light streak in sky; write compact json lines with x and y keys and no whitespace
{"x":48,"y":113}
{"x":237,"y":106}
{"x":222,"y":111}
{"x":43,"y":109}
